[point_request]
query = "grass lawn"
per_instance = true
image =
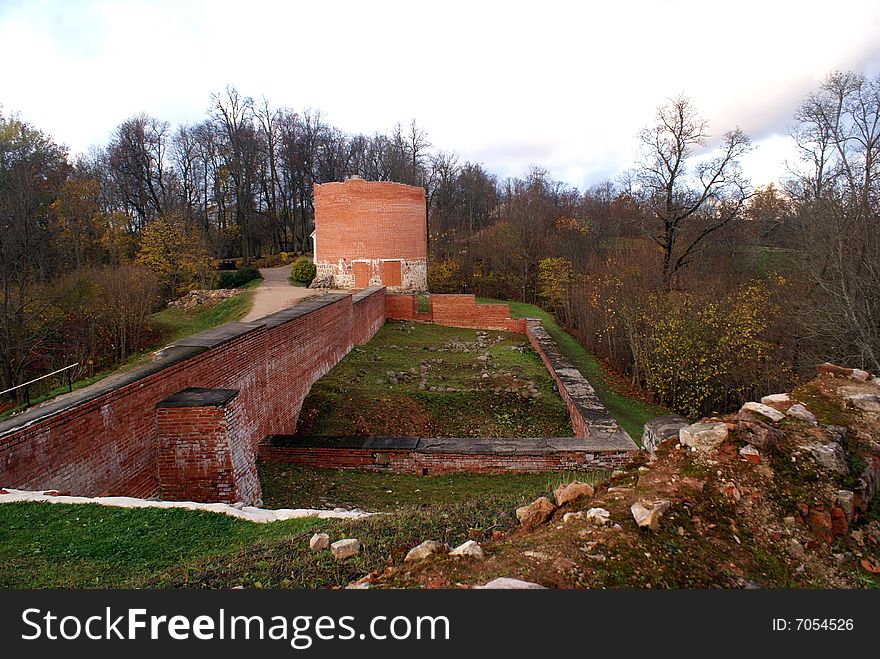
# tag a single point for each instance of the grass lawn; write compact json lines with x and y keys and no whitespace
{"x":173,"y":324}
{"x":420,"y":380}
{"x":295,"y":486}
{"x":48,"y":545}
{"x":630,"y":413}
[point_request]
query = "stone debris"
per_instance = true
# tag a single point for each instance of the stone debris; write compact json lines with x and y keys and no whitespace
{"x":798,"y":411}
{"x":754,"y":432}
{"x":860,"y":375}
{"x":661,"y":429}
{"x":598,"y":516}
{"x":831,"y":456}
{"x":648,"y":513}
{"x":342,"y":549}
{"x":536,"y":513}
{"x":764,"y":410}
{"x":846,"y":502}
{"x":568,"y":492}
{"x":865,"y":402}
{"x":198,"y":298}
{"x":703,"y":437}
{"x":507,"y":583}
{"x":750,"y":454}
{"x":468,"y":549}
{"x":775,"y":398}
{"x":319,"y":541}
{"x":570,"y":517}
{"x":425,"y":549}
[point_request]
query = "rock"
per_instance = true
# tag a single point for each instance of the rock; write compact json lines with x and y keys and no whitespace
{"x":536,"y":513}
{"x":661,"y":429}
{"x":506,"y":583}
{"x":323,"y":281}
{"x":197,"y":298}
{"x":568,"y":492}
{"x":703,"y":437}
{"x":834,"y":371}
{"x":344,"y":548}
{"x":750,"y":454}
{"x":570,"y":517}
{"x":831,"y":456}
{"x":866,"y":402}
{"x":798,"y":411}
{"x":775,"y":398}
{"x":819,"y":522}
{"x":860,"y":375}
{"x":789,"y":522}
{"x":757,"y":433}
{"x":846,"y":502}
{"x":598,"y":516}
{"x":468,"y":549}
{"x":837,"y":434}
{"x":732,"y":491}
{"x":319,"y":541}
{"x":648,"y":513}
{"x":764,"y":410}
{"x":839,"y":525}
{"x":425,"y":549}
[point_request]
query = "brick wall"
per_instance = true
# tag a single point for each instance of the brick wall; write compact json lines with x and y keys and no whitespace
{"x":455,"y":311}
{"x":437,"y":463}
{"x":371,"y":233}
{"x":103,"y":440}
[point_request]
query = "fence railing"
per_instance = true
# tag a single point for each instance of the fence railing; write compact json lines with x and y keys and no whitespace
{"x":26,"y":385}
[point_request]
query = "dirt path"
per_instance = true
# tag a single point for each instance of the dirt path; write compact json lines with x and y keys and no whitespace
{"x":275,"y":293}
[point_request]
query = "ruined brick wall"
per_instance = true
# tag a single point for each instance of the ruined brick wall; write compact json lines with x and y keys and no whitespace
{"x":102,"y":439}
{"x":371,"y":233}
{"x":437,"y":463}
{"x":455,"y":311}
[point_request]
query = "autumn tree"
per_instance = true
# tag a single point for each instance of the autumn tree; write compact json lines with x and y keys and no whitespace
{"x":175,"y":252}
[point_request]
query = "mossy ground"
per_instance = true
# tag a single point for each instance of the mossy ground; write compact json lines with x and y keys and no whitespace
{"x":420,"y":380}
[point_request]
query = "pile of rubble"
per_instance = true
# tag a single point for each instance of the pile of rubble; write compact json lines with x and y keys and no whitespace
{"x":198,"y":298}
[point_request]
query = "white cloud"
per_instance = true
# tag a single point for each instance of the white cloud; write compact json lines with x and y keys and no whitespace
{"x":565,"y":85}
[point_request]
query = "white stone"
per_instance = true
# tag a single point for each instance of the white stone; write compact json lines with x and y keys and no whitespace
{"x":748,"y":450}
{"x":570,"y":517}
{"x":344,"y":548}
{"x":598,"y":516}
{"x":775,"y":398}
{"x":798,"y":411}
{"x":703,"y":437}
{"x":831,"y":456}
{"x":860,"y":375}
{"x":506,"y":583}
{"x":866,"y":402}
{"x":648,"y":513}
{"x":763,"y":410}
{"x":425,"y":549}
{"x":319,"y":541}
{"x":468,"y":549}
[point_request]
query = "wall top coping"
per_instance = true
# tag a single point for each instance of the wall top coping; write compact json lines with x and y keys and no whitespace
{"x":463,"y":445}
{"x":199,"y":397}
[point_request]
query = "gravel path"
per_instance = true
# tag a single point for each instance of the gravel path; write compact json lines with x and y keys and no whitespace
{"x":275,"y":293}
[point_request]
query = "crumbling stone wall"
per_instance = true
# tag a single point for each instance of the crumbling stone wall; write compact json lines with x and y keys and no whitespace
{"x":371,"y":233}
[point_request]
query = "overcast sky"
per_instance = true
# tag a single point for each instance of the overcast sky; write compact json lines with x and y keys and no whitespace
{"x":566,"y":85}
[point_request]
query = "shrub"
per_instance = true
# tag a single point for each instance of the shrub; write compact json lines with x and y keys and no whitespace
{"x":304,"y":270}
{"x":237,"y":278}
{"x":226,"y":265}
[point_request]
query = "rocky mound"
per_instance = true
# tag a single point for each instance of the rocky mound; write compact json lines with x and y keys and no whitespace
{"x":781,"y":494}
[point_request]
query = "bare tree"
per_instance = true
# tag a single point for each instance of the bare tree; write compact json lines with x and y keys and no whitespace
{"x":685,"y":207}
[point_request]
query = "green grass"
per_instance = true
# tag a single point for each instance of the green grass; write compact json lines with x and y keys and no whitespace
{"x":629,"y":412}
{"x":47,"y":545}
{"x":177,"y":323}
{"x":173,"y":324}
{"x":380,"y":389}
{"x":295,"y":486}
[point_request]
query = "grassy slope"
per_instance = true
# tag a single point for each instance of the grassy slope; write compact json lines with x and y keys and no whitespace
{"x":630,"y":413}
{"x":174,"y":324}
{"x":45,"y":545}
